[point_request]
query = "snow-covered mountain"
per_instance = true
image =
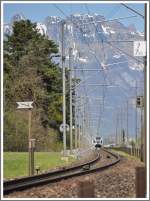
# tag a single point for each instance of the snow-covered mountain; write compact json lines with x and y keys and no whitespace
{"x":97,"y":44}
{"x":83,"y":26}
{"x":8,"y":28}
{"x":42,"y":29}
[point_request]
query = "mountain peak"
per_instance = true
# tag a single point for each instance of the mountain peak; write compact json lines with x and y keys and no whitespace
{"x":52,"y":20}
{"x":17,"y":17}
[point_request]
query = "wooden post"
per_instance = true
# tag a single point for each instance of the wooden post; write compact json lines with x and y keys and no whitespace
{"x":31,"y":156}
{"x":29,"y":124}
{"x":140,"y":182}
{"x":140,"y":153}
{"x":29,"y":143}
{"x":27,"y":105}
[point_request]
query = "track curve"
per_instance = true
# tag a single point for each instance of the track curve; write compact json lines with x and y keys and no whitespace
{"x":53,"y":176}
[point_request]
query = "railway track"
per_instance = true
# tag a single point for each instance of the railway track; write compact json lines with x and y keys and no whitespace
{"x":97,"y":164}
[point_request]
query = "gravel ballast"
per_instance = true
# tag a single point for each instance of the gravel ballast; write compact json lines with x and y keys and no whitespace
{"x":115,"y":182}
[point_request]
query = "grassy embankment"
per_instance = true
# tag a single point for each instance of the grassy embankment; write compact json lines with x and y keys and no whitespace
{"x":16,"y":163}
{"x":122,"y":153}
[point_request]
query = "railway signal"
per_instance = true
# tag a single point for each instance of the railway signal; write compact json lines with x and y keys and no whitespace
{"x":139,"y":101}
{"x":62,"y":127}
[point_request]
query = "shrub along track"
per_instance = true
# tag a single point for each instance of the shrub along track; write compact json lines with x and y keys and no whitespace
{"x":103,"y":159}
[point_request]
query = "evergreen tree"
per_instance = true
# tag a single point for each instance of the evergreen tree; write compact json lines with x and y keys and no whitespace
{"x":31,"y":74}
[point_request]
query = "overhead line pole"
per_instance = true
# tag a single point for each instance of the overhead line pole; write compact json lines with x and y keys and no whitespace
{"x":127,"y":122}
{"x":70,"y":63}
{"x":76,"y":127}
{"x":117,"y":120}
{"x":145,"y":87}
{"x":136,"y":130}
{"x":64,"y":86}
{"x":79,"y":120}
{"x":121,"y":123}
{"x":75,"y":113}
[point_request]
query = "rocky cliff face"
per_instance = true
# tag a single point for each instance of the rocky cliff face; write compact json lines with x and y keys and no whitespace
{"x":98,"y":44}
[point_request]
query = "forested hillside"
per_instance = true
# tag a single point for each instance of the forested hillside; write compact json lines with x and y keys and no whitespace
{"x":31,"y":75}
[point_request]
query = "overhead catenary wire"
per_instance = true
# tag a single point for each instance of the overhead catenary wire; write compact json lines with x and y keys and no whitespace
{"x":118,"y":48}
{"x":106,"y":41}
{"x":133,"y":10}
{"x":114,"y":10}
{"x":104,"y":89}
{"x":87,"y":8}
{"x":104,"y":77}
{"x":109,"y":43}
{"x":97,"y":59}
{"x":60,"y":10}
{"x":119,"y":18}
{"x":86,"y":95}
{"x":95,"y":55}
{"x":90,"y":47}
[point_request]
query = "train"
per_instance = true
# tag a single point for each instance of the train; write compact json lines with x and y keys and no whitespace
{"x":98,"y":142}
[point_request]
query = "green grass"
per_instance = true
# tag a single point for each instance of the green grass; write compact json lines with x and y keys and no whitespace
{"x":16,"y":163}
{"x":122,"y":153}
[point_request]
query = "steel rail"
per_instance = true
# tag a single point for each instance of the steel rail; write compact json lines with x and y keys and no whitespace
{"x":56,"y":175}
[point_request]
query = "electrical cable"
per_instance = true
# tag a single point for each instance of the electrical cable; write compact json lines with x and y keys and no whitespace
{"x":133,"y":10}
{"x":109,"y":43}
